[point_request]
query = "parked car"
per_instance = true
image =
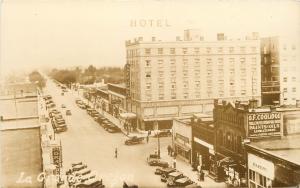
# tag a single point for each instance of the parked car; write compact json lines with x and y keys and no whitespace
{"x":164,"y":133}
{"x":60,"y":128}
{"x":158,"y":162}
{"x":161,"y":170}
{"x":176,"y":174}
{"x":82,"y":172}
{"x":134,"y":140}
{"x":181,"y":182}
{"x":152,"y":157}
{"x":68,"y":112}
{"x":82,"y":106}
{"x":129,"y":185}
{"x":78,"y":167}
{"x":88,"y":110}
{"x":90,"y":183}
{"x":113,"y":129}
{"x":100,"y":119}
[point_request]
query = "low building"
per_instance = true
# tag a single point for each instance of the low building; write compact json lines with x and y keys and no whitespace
{"x":203,"y":142}
{"x":274,"y":163}
{"x":20,"y":137}
{"x":235,"y":125}
{"x":182,"y":137}
{"x":117,"y":99}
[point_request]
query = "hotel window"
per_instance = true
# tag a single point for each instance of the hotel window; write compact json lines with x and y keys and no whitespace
{"x":197,"y":94}
{"x":147,"y":51}
{"x":172,"y":51}
{"x":148,"y":63}
{"x":160,"y":51}
{"x":294,"y":79}
{"x":161,"y":97}
{"x":294,"y":89}
{"x":284,"y":79}
{"x":148,"y":74}
{"x":197,"y":83}
{"x":293,"y":47}
{"x":173,"y":86}
{"x":285,"y":89}
{"x":184,"y":50}
{"x":253,"y":49}
{"x":220,"y":49}
{"x":284,"y":47}
{"x":231,"y":49}
{"x":242,"y":60}
{"x":196,"y":50}
{"x":161,"y":85}
{"x":243,"y":92}
{"x":172,"y":62}
{"x":185,"y":95}
{"x":148,"y":85}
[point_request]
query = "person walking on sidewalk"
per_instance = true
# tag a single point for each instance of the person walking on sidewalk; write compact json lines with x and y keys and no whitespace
{"x":169,"y":149}
{"x":174,"y":163}
{"x":147,"y":139}
{"x":116,"y":153}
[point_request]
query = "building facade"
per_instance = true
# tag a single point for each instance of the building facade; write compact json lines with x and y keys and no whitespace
{"x":280,"y":62}
{"x":237,"y":124}
{"x":178,"y":78}
{"x":182,"y":137}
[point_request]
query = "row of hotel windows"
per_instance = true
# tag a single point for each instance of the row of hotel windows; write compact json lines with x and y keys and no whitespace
{"x":161,"y":62}
{"x":285,"y":79}
{"x":172,"y":51}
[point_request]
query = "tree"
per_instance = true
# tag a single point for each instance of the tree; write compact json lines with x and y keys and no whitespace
{"x":36,"y":77}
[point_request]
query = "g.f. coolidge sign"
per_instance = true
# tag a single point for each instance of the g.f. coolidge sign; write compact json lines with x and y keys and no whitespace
{"x":264,"y":124}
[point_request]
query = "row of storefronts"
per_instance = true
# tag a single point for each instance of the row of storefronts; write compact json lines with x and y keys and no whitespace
{"x":236,"y":145}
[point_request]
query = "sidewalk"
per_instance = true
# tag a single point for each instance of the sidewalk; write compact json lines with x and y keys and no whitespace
{"x":186,"y":169}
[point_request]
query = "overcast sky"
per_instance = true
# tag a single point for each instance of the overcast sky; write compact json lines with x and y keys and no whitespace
{"x":63,"y":33}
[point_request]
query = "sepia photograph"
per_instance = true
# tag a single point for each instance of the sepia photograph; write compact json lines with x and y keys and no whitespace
{"x":149,"y":93}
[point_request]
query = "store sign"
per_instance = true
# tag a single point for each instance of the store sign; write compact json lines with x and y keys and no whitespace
{"x":260,"y":165}
{"x":264,"y":124}
{"x":56,"y":155}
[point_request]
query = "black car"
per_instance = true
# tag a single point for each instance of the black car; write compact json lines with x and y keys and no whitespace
{"x":163,"y":134}
{"x":134,"y":140}
{"x":90,"y":183}
{"x":161,"y":170}
{"x":100,"y":119}
{"x":158,"y":162}
{"x":113,"y":129}
{"x":181,"y":182}
{"x":175,"y":175}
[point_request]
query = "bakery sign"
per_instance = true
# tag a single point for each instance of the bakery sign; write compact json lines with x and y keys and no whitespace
{"x":264,"y":124}
{"x":261,"y":166}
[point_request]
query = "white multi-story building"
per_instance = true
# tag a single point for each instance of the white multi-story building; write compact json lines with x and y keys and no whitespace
{"x":280,"y":70}
{"x":178,"y":78}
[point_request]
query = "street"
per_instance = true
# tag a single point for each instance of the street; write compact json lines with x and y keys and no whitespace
{"x":86,"y":141}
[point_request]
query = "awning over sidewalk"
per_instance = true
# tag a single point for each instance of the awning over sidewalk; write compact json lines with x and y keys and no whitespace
{"x":128,"y":115}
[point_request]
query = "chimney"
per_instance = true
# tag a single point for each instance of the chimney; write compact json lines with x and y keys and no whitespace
{"x":220,"y":36}
{"x":237,"y":104}
{"x":253,"y":103}
{"x":216,"y":102}
{"x":224,"y":102}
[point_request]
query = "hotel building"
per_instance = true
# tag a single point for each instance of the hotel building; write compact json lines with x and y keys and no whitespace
{"x":280,"y":62}
{"x":178,"y":78}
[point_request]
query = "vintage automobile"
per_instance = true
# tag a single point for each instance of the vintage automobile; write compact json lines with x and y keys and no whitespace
{"x":95,"y":114}
{"x":78,"y":101}
{"x":88,"y":110}
{"x":47,"y":97}
{"x":82,"y":106}
{"x":181,"y":182}
{"x":164,"y":133}
{"x":134,"y":140}
{"x":113,"y":129}
{"x":82,"y":172}
{"x":129,"y":185}
{"x":100,"y":119}
{"x":158,"y":162}
{"x":68,"y":112}
{"x":161,"y":170}
{"x":176,"y":174}
{"x":76,"y":164}
{"x":60,"y":128}
{"x":152,"y":157}
{"x":91,"y":183}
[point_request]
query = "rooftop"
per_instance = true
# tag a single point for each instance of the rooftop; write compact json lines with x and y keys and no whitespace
{"x":287,"y":148}
{"x":12,"y":108}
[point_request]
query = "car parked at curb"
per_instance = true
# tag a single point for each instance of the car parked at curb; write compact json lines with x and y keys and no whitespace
{"x":161,"y":170}
{"x":158,"y":162}
{"x":172,"y":175}
{"x":134,"y":140}
{"x":181,"y":182}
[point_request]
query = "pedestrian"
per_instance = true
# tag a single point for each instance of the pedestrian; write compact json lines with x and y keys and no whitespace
{"x":116,"y":153}
{"x":174,"y":163}
{"x":169,"y":149}
{"x":147,"y":139}
{"x":201,"y":175}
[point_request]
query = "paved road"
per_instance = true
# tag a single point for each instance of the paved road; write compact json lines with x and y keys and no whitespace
{"x":88,"y":142}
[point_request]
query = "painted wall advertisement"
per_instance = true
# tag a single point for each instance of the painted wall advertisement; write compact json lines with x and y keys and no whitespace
{"x":264,"y":124}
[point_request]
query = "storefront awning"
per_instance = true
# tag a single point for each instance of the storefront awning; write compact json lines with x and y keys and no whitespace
{"x":128,"y":115}
{"x":184,"y":147}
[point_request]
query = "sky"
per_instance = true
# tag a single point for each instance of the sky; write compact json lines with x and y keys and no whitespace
{"x":67,"y":33}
